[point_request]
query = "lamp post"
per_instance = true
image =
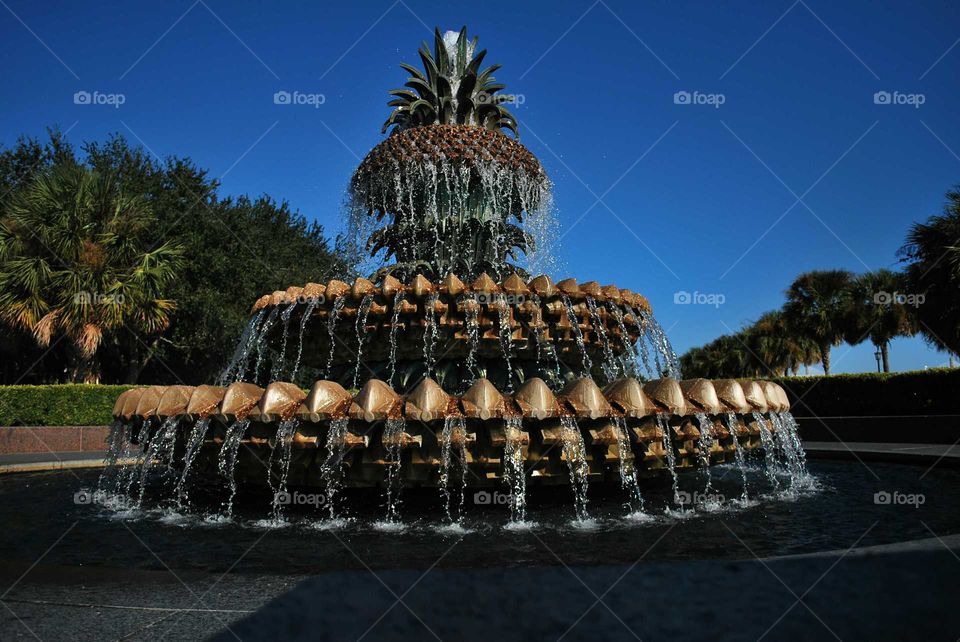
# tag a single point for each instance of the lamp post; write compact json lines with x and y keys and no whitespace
{"x":878,"y":356}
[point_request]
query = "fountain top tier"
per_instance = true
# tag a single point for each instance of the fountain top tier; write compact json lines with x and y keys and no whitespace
{"x":377,"y":401}
{"x":455,"y":188}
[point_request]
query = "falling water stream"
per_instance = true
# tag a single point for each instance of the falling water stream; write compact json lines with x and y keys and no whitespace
{"x":578,"y":335}
{"x":304,"y":320}
{"x":453,"y":437}
{"x":227,"y":461}
{"x":194,"y":443}
{"x":575,"y":455}
{"x":628,"y":473}
{"x":361,"y":327}
{"x":771,"y":467}
{"x":331,"y":332}
{"x":739,"y":457}
{"x":664,"y":427}
{"x":394,"y":328}
{"x":282,"y":442}
{"x":392,"y":434}
{"x":514,"y":475}
{"x":331,"y":472}
{"x":610,"y":364}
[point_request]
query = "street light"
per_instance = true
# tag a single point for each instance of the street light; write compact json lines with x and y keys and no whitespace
{"x":878,"y":356}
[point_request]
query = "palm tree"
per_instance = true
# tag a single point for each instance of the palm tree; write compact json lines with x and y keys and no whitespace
{"x":76,"y":262}
{"x":879,"y":311}
{"x":817,"y":309}
{"x":780,"y":351}
{"x":932,"y":252}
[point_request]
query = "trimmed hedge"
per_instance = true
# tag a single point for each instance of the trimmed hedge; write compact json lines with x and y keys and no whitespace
{"x":921,"y":392}
{"x":58,"y":405}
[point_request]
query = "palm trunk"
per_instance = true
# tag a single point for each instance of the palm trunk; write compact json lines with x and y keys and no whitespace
{"x":825,"y":357}
{"x":885,"y":351}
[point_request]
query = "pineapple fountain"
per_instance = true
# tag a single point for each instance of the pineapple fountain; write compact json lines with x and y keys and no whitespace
{"x":450,"y":366}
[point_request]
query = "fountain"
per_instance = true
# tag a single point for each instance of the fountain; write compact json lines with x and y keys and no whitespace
{"x":451,"y":366}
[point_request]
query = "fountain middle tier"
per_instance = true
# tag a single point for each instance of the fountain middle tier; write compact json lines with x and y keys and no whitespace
{"x":575,"y":323}
{"x":533,"y":420}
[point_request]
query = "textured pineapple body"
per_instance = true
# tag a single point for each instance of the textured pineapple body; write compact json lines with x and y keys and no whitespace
{"x":446,"y":147}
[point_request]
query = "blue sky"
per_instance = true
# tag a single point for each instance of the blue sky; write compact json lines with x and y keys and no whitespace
{"x":797,"y":169}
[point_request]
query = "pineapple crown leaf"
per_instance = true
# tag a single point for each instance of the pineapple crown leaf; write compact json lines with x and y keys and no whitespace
{"x":450,"y":89}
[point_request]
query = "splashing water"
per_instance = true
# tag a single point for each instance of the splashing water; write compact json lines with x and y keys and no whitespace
{"x":788,"y":444}
{"x":471,"y":316}
{"x":662,"y":345}
{"x":505,"y":334}
{"x":242,"y":353}
{"x":278,"y":365}
{"x":394,"y":327}
{"x":772,"y":467}
{"x":261,"y":343}
{"x":553,"y":376}
{"x":667,"y":441}
{"x":514,"y":475}
{"x":304,"y":320}
{"x":331,"y":330}
{"x":578,"y":334}
{"x":227,"y":460}
{"x":194,"y":443}
{"x":361,"y":327}
{"x":161,"y":448}
{"x":454,"y":430}
{"x":575,"y":454}
{"x":430,"y":331}
{"x":739,"y":456}
{"x":118,"y":448}
{"x":332,"y":470}
{"x":392,"y":434}
{"x":628,"y":472}
{"x":284,"y":442}
{"x":704,"y":444}
{"x":609,"y":365}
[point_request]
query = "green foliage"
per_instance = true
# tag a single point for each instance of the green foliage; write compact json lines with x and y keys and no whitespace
{"x":932,"y":254}
{"x":919,"y":392}
{"x":451,"y":90}
{"x":58,"y":405}
{"x":77,"y":258}
{"x":817,"y":308}
{"x":236,"y":249}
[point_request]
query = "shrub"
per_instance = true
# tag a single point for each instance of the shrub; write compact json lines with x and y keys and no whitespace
{"x":921,"y":392}
{"x":58,"y":405}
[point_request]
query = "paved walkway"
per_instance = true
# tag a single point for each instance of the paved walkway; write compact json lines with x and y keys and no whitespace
{"x":34,"y":462}
{"x":906,"y":453}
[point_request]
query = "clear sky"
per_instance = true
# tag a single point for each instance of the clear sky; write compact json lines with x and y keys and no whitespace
{"x":781,"y":160}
